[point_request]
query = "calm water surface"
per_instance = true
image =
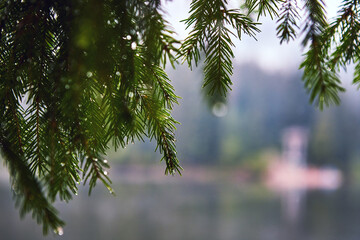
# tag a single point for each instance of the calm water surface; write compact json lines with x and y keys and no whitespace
{"x":193,"y":210}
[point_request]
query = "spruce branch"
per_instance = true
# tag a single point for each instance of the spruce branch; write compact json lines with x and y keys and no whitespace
{"x":263,"y":7}
{"x":156,"y":34}
{"x":211,"y":35}
{"x":200,"y":19}
{"x":27,"y":189}
{"x":322,"y":81}
{"x":287,"y":22}
{"x":356,"y":79}
{"x":156,"y":99}
{"x":315,"y":22}
{"x":343,"y":36}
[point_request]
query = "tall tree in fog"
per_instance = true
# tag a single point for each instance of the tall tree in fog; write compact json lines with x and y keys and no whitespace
{"x":77,"y":76}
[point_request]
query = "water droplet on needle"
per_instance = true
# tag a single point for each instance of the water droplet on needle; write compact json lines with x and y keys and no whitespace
{"x":59,"y":231}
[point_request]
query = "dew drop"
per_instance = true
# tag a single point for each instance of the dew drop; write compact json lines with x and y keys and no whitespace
{"x":89,"y":74}
{"x":133,"y":45}
{"x":105,"y":173}
{"x":117,"y":73}
{"x":108,"y":22}
{"x":105,"y":161}
{"x":131,"y":94}
{"x":95,"y":159}
{"x":128,"y":37}
{"x":219,"y":109}
{"x":116,"y":21}
{"x":62,"y":164}
{"x":59,"y":231}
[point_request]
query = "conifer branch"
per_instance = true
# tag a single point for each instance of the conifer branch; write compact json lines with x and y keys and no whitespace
{"x":27,"y":190}
{"x":356,"y":79}
{"x":211,"y":35}
{"x":263,"y":7}
{"x":319,"y":78}
{"x":344,"y":28}
{"x":155,"y":102}
{"x":161,"y":127}
{"x":18,"y":131}
{"x":286,"y":30}
{"x":38,"y":138}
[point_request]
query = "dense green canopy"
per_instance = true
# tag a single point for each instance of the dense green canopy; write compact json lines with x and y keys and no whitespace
{"x":80,"y":75}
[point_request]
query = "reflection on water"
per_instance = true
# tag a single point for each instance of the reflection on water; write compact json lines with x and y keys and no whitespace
{"x":183,"y":209}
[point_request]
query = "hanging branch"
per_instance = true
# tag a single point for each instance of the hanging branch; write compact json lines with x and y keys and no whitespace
{"x":322,"y":82}
{"x":286,"y":30}
{"x":211,"y":35}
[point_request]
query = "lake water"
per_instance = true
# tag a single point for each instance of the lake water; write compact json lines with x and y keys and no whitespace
{"x":187,"y":209}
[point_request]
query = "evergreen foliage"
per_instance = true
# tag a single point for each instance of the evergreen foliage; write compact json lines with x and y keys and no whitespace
{"x":211,"y":35}
{"x":78,"y":76}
